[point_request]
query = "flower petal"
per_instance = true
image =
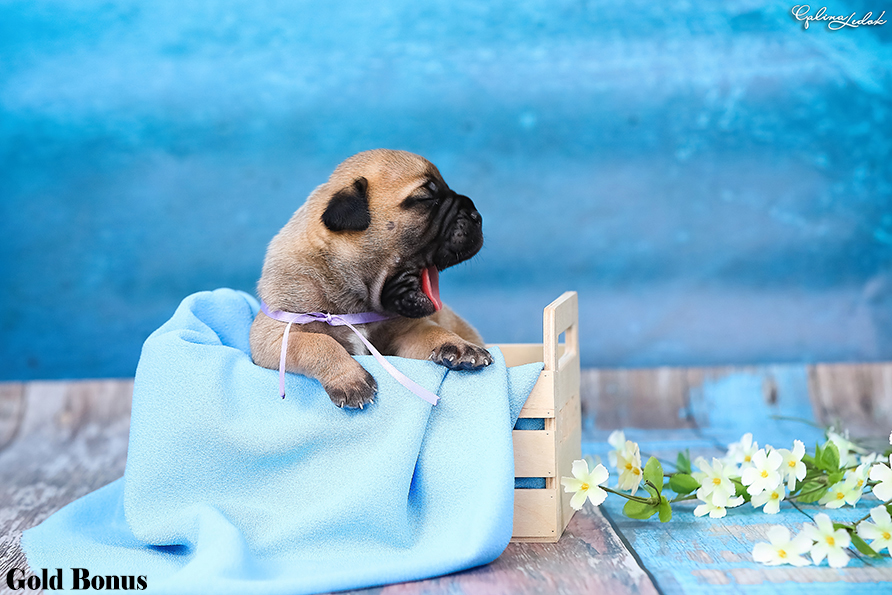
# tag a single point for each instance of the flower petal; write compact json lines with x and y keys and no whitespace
{"x":596,"y":495}
{"x":578,"y":499}
{"x":764,"y":553}
{"x":837,"y":558}
{"x":599,"y":475}
{"x":571,"y":484}
{"x":778,"y":535}
{"x":580,"y":470}
{"x":880,"y":515}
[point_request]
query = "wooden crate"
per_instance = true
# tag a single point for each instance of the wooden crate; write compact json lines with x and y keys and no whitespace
{"x":541,"y":515}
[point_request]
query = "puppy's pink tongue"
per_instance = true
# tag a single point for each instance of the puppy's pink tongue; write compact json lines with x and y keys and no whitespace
{"x":430,"y":285}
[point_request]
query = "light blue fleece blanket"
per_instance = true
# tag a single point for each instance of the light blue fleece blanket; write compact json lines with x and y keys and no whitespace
{"x":231,"y":489}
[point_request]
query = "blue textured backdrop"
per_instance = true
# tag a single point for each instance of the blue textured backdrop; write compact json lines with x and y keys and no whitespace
{"x":711,"y":177}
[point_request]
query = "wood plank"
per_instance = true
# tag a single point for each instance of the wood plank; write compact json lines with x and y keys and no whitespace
{"x":535,"y":514}
{"x":645,"y":398}
{"x":857,"y":396}
{"x":590,"y":558}
{"x":534,"y":453}
{"x":12,"y":410}
{"x":540,"y":403}
{"x":71,"y":439}
{"x":560,"y":316}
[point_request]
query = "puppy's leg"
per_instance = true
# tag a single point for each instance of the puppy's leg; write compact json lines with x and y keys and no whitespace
{"x":425,"y":339}
{"x":315,"y":355}
{"x":451,"y":321}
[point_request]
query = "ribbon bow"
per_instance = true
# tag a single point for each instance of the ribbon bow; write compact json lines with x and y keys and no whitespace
{"x":347,"y":320}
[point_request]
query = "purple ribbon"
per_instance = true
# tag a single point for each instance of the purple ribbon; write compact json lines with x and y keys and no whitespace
{"x":347,"y":320}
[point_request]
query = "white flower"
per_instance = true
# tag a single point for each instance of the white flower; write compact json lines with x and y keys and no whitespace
{"x":855,"y":480}
{"x":792,"y":467}
{"x":628,"y":463}
{"x":782,"y":549}
{"x":617,"y":440}
{"x":741,"y":453}
{"x":840,"y":493}
{"x":585,"y":484}
{"x":763,"y":475}
{"x":770,"y":499}
{"x":716,"y":487}
{"x":880,"y":530}
{"x":714,"y":511}
{"x":828,"y":542}
{"x":883,"y":474}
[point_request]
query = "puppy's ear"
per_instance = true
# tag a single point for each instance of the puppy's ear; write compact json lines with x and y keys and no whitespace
{"x":348,"y":209}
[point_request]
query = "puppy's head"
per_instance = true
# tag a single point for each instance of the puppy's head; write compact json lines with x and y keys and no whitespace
{"x":393,"y":223}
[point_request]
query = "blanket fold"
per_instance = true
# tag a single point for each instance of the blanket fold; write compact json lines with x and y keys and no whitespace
{"x":231,"y":489}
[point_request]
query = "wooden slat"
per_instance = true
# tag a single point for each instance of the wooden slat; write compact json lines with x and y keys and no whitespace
{"x":535,"y":514}
{"x":70,"y":440}
{"x":540,"y":403}
{"x":534,"y":453}
{"x":568,"y":450}
{"x":858,"y":395}
{"x":590,"y":558}
{"x":645,"y":398}
{"x":12,"y":409}
{"x":559,"y":316}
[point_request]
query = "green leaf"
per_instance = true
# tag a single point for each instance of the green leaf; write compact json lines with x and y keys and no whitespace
{"x":654,"y":494}
{"x":639,"y":510}
{"x":665,"y":510}
{"x":813,"y":491}
{"x":830,"y":458}
{"x":835,"y":477}
{"x":682,"y":483}
{"x":683,"y":461}
{"x":740,"y":490}
{"x":808,"y":460}
{"x":862,"y":546}
{"x":653,"y":472}
{"x":819,"y":454}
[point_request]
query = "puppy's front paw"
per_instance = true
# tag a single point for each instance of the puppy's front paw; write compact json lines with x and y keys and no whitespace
{"x":353,"y":390}
{"x":461,"y":356}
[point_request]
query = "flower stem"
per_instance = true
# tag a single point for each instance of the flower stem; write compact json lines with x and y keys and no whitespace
{"x":626,"y":496}
{"x":867,"y":516}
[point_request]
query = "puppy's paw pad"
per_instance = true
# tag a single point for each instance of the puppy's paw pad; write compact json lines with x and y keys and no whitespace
{"x":353,"y":391}
{"x":462,"y":356}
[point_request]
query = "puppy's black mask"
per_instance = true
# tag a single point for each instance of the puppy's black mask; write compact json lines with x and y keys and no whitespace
{"x":450,"y":231}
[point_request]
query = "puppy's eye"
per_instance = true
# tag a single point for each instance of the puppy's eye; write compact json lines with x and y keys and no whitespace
{"x":432,"y":186}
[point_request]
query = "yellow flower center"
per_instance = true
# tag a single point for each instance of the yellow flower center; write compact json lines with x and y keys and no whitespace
{"x":792,"y":463}
{"x":628,"y":466}
{"x":840,"y":495}
{"x":636,"y":471}
{"x":716,"y":480}
{"x":860,"y":483}
{"x":830,"y":540}
{"x":584,"y":487}
{"x":887,"y":535}
{"x":764,"y":473}
{"x":775,"y":495}
{"x":747,"y":459}
{"x":782,"y":553}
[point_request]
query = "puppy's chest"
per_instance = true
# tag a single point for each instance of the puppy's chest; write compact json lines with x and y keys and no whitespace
{"x":350,"y":341}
